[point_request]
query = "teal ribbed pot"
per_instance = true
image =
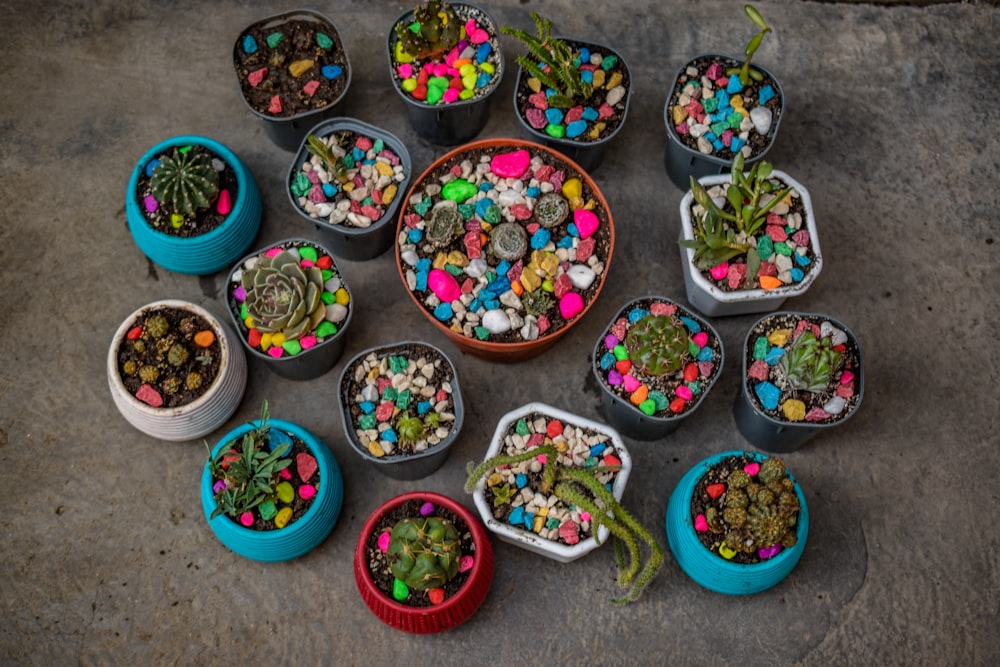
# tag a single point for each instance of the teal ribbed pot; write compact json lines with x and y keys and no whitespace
{"x":300,"y":536}
{"x":209,"y":252}
{"x":710,"y":570}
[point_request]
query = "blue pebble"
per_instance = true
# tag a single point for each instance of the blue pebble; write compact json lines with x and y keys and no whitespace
{"x":565,"y":242}
{"x":521,"y":480}
{"x":482,"y":205}
{"x":389,"y":435}
{"x":483,"y":79}
{"x":797,"y":275}
{"x":718,"y":145}
{"x":491,"y":304}
{"x":529,"y":520}
{"x":358,"y":154}
{"x":554,"y":116}
{"x":723,"y":98}
{"x":735,"y":85}
{"x":587,"y":76}
{"x":706,"y":354}
{"x":691,"y":324}
{"x":423,"y":264}
{"x":773,"y":355}
{"x":736,"y":144}
{"x":584,"y":55}
{"x":768,"y":395}
{"x":533,"y":192}
{"x":572,"y":230}
{"x":485,"y":186}
{"x":332,"y":71}
{"x":475,"y":305}
{"x":483,"y":52}
{"x":150,"y":166}
{"x":516,"y":516}
{"x":421,"y":285}
{"x":802,"y":260}
{"x":443,"y":312}
{"x":503,"y":267}
{"x":710,"y":136}
{"x":637,"y":314}
{"x":598,"y":449}
{"x":607,"y":361}
{"x":329,"y":189}
{"x":540,"y":239}
{"x":367,"y":407}
{"x":423,"y":407}
{"x":590,"y":113}
{"x":276,"y":439}
{"x":576,"y":128}
{"x":415,"y":235}
{"x":765,"y":95}
{"x":249,"y":45}
{"x":499,"y":285}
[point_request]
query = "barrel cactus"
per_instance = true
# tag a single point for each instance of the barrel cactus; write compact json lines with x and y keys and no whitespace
{"x":424,"y":552}
{"x":186,"y":180}
{"x":809,"y":363}
{"x":509,"y":241}
{"x":657,"y":345}
{"x":282,"y":296}
{"x":435,"y":29}
{"x":551,"y":209}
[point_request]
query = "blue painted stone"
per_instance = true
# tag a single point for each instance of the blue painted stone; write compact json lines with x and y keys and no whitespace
{"x":736,"y":144}
{"x":516,"y":517}
{"x":554,"y":116}
{"x":443,"y":312}
{"x":768,"y":395}
{"x":706,"y":354}
{"x":576,"y":128}
{"x":802,"y":260}
{"x":773,"y":355}
{"x":766,"y":94}
{"x":718,"y":145}
{"x":587,"y":76}
{"x":797,"y":275}
{"x":691,"y":324}
{"x":584,"y":54}
{"x":249,"y":45}
{"x":540,"y":239}
{"x":723,"y":98}
{"x":485,"y":186}
{"x":389,"y":435}
{"x":277,"y":439}
{"x":358,"y":154}
{"x":590,"y":113}
{"x":529,"y":520}
{"x":503,"y":267}
{"x":483,"y":79}
{"x":565,"y":242}
{"x":521,"y":480}
{"x":423,"y":407}
{"x":598,"y":449}
{"x":415,"y":236}
{"x":329,"y":189}
{"x":533,"y":192}
{"x":734,"y":85}
{"x":475,"y":305}
{"x":150,"y":166}
{"x":572,"y":230}
{"x":332,"y":71}
{"x":421,"y":283}
{"x":367,"y":407}
{"x":607,"y":361}
{"x":491,"y":304}
{"x":637,"y":314}
{"x":423,"y":264}
{"x":483,"y":52}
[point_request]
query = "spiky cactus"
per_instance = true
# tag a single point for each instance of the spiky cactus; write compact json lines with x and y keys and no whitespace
{"x":657,"y":345}
{"x":434,"y":30}
{"x":509,"y":241}
{"x":551,"y":209}
{"x":443,"y":223}
{"x":282,"y":296}
{"x":558,"y":69}
{"x":809,"y":363}
{"x":424,"y":552}
{"x":186,"y":180}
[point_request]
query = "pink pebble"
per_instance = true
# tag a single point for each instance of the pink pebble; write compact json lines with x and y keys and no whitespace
{"x":240,"y":294}
{"x":586,"y":222}
{"x":450,"y":95}
{"x":246,"y":519}
{"x":758,"y":370}
{"x":701,"y":523}
{"x":465,"y":563}
{"x":256,"y":76}
{"x":846,"y":377}
{"x":405,"y":71}
{"x":427,"y":509}
{"x":570,"y":305}
{"x":700,"y":339}
{"x":308,"y":342}
{"x":150,"y":203}
{"x":307,"y":491}
{"x":817,"y":414}
{"x":478,"y":36}
{"x":542,"y":459}
{"x":275,"y":351}
{"x":512,"y":164}
{"x":383,"y":542}
{"x":316,"y":194}
{"x":539,"y":100}
{"x":444,"y":285}
{"x":273,"y":252}
{"x":568,"y":532}
{"x":276,"y":105}
{"x":683,"y":392}
{"x":285,"y":474}
{"x":752,"y":469}
{"x":584,"y":516}
{"x":439,"y":69}
{"x":719,"y":271}
{"x":311,"y":88}
{"x":536,"y":118}
{"x":660,"y":308}
{"x":148,"y":395}
{"x":631,"y":384}
{"x":705,"y":368}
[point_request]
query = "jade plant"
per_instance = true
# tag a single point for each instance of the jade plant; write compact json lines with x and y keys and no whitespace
{"x":435,"y":29}
{"x":746,"y":73}
{"x":583,"y":488}
{"x":722,"y":233}
{"x":186,"y":179}
{"x":809,"y":363}
{"x":658,"y":344}
{"x":424,"y":552}
{"x":554,"y":63}
{"x":282,"y":296}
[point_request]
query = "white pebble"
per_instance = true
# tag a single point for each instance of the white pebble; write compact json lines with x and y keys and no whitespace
{"x":336,"y":312}
{"x":835,"y":405}
{"x":476,"y":268}
{"x":581,"y":276}
{"x":761,"y":117}
{"x":837,"y":337}
{"x":615,"y":95}
{"x":333,"y":284}
{"x":496,"y":321}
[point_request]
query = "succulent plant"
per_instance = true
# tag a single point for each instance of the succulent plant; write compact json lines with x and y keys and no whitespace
{"x":443,"y":223}
{"x":657,"y":344}
{"x":551,"y":209}
{"x":424,"y":552}
{"x":185,"y":179}
{"x":434,"y":30}
{"x":283,"y":296}
{"x":746,"y":73}
{"x":409,"y":428}
{"x":156,"y":326}
{"x":809,"y":363}
{"x":177,"y":355}
{"x":759,"y":513}
{"x":509,"y":241}
{"x":537,"y":302}
{"x":332,"y":162}
{"x":553,"y":63}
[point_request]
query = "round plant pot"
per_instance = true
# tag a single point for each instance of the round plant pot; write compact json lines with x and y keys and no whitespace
{"x":450,"y":124}
{"x":707,"y":568}
{"x":310,"y":359}
{"x":715,"y":301}
{"x":345,"y":239}
{"x":677,"y":399}
{"x":205,"y":253}
{"x":682,"y":162}
{"x":298,"y":537}
{"x":454,"y":610}
{"x":399,"y":464}
{"x":414,"y":252}
{"x":203,"y":415}
{"x":588,"y":153}
{"x":768,"y":429}
{"x":518,"y":536}
{"x":330,"y":72}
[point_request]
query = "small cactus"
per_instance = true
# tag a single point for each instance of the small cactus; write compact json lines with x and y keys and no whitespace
{"x":551,"y":209}
{"x":435,"y":29}
{"x":553,"y":62}
{"x":537,"y":302}
{"x":193,"y":381}
{"x":186,"y":180}
{"x":657,"y":345}
{"x":424,"y":552}
{"x":809,"y":363}
{"x":509,"y":241}
{"x":157,"y":326}
{"x":177,"y":355}
{"x":443,"y":223}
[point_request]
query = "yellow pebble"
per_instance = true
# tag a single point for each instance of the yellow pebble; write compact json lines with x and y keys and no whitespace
{"x":265,"y":341}
{"x":342,"y":297}
{"x":440,"y":260}
{"x":680,"y":114}
{"x":282,"y":518}
{"x":543,"y":511}
{"x":538,"y":524}
{"x":374,"y":373}
{"x":277,"y":339}
{"x":736,"y":101}
{"x":726,"y":552}
{"x":590,"y":205}
{"x":299,"y":67}
{"x":457,"y":328}
{"x":549,"y":263}
{"x":575,"y":203}
{"x":389,"y":193}
{"x":490,"y":69}
{"x":402,"y":56}
{"x":779,"y":337}
{"x":348,"y":186}
{"x":467,"y":69}
{"x":383,"y":168}
{"x":458,"y":258}
{"x":561,"y":446}
{"x":494,"y":479}
{"x":534,"y":84}
{"x":375,"y":449}
{"x":615,"y":80}
{"x":248,"y":322}
{"x":176,"y":220}
{"x":794,"y":409}
{"x":595,"y":132}
{"x":598,"y":78}
{"x":530,"y":280}
{"x":573,"y":187}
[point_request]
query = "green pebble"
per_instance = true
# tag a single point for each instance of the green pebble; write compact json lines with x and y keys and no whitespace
{"x":398,"y":364}
{"x":323,"y":40}
{"x":326,"y":329}
{"x":782,"y":249}
{"x":286,"y":493}
{"x":292,"y":347}
{"x":423,"y":206}
{"x":404,"y":399}
{"x":547,"y":286}
{"x":368,"y":422}
{"x":591,"y":462}
{"x":415,"y":27}
{"x":453,"y":270}
{"x":648,"y":407}
{"x":409,"y":85}
{"x":695,"y":387}
{"x":308,"y":252}
{"x":620,"y":352}
{"x":267,"y":510}
{"x":552,"y":524}
{"x":389,"y":394}
{"x":555,"y":131}
{"x":327,"y":274}
{"x":378,"y":146}
{"x":348,"y":161}
{"x":466,"y":94}
{"x":609,"y":62}
{"x":488,"y":68}
{"x":434,"y":95}
{"x":399,"y":590}
{"x":710,"y":105}
{"x":693,"y":348}
{"x":301,"y":186}
{"x":490,"y":275}
{"x":492,"y":214}
{"x":482,"y":333}
{"x":765,"y":247}
{"x":734,"y":121}
{"x":367,"y":201}
{"x":522,"y":427}
{"x":760,"y":347}
{"x":719,"y":127}
{"x":458,"y":190}
{"x":660,"y":399}
{"x":244,"y":313}
{"x":274,"y":39}
{"x":328,"y":298}
{"x":466,"y":211}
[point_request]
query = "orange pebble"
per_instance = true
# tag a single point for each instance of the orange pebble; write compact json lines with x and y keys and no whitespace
{"x":517,"y":287}
{"x":769,"y":282}
{"x":459,"y":62}
{"x":639,"y":395}
{"x":436,"y":595}
{"x":204,"y":338}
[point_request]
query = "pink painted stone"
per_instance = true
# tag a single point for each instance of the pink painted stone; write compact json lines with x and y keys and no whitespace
{"x":536,"y":118}
{"x":605,"y":111}
{"x":682,"y":128}
{"x":307,"y":491}
{"x":311,"y":88}
{"x":769,"y":552}
{"x":444,"y":285}
{"x":631,"y":384}
{"x":405,"y":71}
{"x":427,"y":509}
{"x":276,"y":105}
{"x":539,"y":100}
{"x":620,"y":328}
{"x":774,"y":219}
{"x":801,"y":237}
{"x":465,"y":563}
{"x":384,"y":411}
{"x":439,"y":69}
{"x":467,"y":286}
{"x":308,"y":342}
{"x":660,"y":308}
{"x":256,"y":76}
{"x":701,"y":523}
{"x":246,"y":519}
{"x":512,"y":164}
{"x":705,"y":368}
{"x":450,"y":95}
{"x":273,"y":252}
{"x":767,"y":269}
{"x":473,"y":245}
{"x":285,"y":474}
{"x":736,"y":274}
{"x":817,"y":414}
{"x":520,"y":212}
{"x":562,"y":286}
{"x":574,"y":114}
{"x":846,"y":377}
{"x":752,"y":469}
{"x":570,"y":305}
{"x":584,"y":516}
{"x":777,"y":234}
{"x":700,"y":339}
{"x":150,"y":203}
{"x":758,"y":370}
{"x":586,"y":222}
{"x":543,"y":324}
{"x":568,"y":532}
{"x":727,"y":138}
{"x":585,"y":249}
{"x":535,"y":440}
{"x":383,"y":542}
{"x":532,"y":227}
{"x":148,"y":395}
{"x":316,"y":194}
{"x":683,"y":392}
{"x":719,"y":271}
{"x":714,"y":71}
{"x":276,"y":351}
{"x":411,"y":220}
{"x":845,"y":390}
{"x":306,"y":466}
{"x":370,"y":212}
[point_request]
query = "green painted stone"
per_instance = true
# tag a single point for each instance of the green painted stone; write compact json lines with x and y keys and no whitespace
{"x":378,"y":146}
{"x":267,"y":510}
{"x":327,"y":274}
{"x":765,"y":247}
{"x":695,"y":387}
{"x":490,"y":276}
{"x":710,"y":105}
{"x":734,"y":121}
{"x":368,"y":421}
{"x":693,"y":348}
{"x":286,"y":493}
{"x":492,"y":214}
{"x":326,"y":329}
{"x":434,"y":95}
{"x":308,"y":252}
{"x":301,"y":186}
{"x":398,"y":364}
{"x":552,"y":524}
{"x":555,"y":131}
{"x":399,"y":590}
{"x":782,"y":249}
{"x":244,"y":313}
{"x":422,"y":206}
{"x":591,"y":462}
{"x":719,"y":127}
{"x":482,"y":333}
{"x":327,"y":297}
{"x":466,"y":211}
{"x":348,"y":161}
{"x":660,"y":399}
{"x":620,"y":352}
{"x":458,"y":190}
{"x":292,"y":347}
{"x":389,"y":394}
{"x":367,"y":201}
{"x":521,"y":428}
{"x":403,"y":399}
{"x":760,"y":347}
{"x":609,"y":62}
{"x":323,"y":40}
{"x":274,"y":39}
{"x":648,"y":407}
{"x":453,"y":270}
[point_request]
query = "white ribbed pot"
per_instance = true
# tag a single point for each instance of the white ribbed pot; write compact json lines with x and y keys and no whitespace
{"x":203,"y":415}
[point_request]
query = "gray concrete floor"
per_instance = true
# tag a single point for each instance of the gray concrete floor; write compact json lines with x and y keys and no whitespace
{"x":891,"y":122}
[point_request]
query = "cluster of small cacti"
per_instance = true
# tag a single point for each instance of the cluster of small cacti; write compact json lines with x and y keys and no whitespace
{"x":658,"y":344}
{"x":434,"y":30}
{"x":185,"y":179}
{"x":424,"y":552}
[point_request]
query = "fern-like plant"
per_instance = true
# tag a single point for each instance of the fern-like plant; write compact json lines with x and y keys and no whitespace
{"x":186,"y":180}
{"x":553,"y":63}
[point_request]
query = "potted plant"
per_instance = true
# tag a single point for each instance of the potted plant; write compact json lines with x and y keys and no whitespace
{"x":748,"y":240}
{"x":292,"y":70}
{"x":504,"y":246}
{"x":719,"y":107}
{"x":291,"y":306}
{"x":402,"y":408}
{"x":802,"y":374}
{"x":655,"y":362}
{"x":192,"y":205}
{"x":175,"y":370}
{"x":571,"y":94}
{"x":423,"y":563}
{"x":445,"y":61}
{"x":737,"y":522}
{"x":552,"y":483}
{"x":348,"y":179}
{"x":271,"y":490}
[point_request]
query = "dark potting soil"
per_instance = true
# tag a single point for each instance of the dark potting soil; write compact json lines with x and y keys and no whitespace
{"x":380,"y":568}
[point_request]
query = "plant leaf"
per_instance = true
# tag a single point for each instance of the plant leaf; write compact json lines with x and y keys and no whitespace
{"x":756,"y":17}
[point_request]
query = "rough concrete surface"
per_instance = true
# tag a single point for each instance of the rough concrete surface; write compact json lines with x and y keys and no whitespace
{"x":891,"y":122}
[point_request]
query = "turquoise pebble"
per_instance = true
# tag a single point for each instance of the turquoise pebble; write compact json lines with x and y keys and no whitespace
{"x":329,"y":189}
{"x":368,"y":422}
{"x":766,"y":94}
{"x":576,"y":128}
{"x":734,"y":85}
{"x":540,"y":239}
{"x":332,"y":71}
{"x":367,"y":407}
{"x":637,"y":314}
{"x":760,"y":347}
{"x":659,"y":399}
{"x":691,"y":324}
{"x":482,"y":333}
{"x":768,"y":395}
{"x":423,"y":407}
{"x":554,"y":115}
{"x":389,"y":435}
{"x":705,"y":354}
{"x":802,"y":260}
{"x":249,"y":45}
{"x":609,"y":62}
{"x":797,"y":275}
{"x":483,"y":79}
{"x":529,"y":520}
{"x":421,"y":285}
{"x":607,"y":361}
{"x":150,"y":166}
{"x":414,"y":236}
{"x":274,"y":39}
{"x":765,"y":247}
{"x":443,"y":312}
{"x":521,"y":480}
{"x":587,"y":76}
{"x":736,"y":144}
{"x":773,"y":355}
{"x":516,"y":516}
{"x":277,"y":439}
{"x":565,"y":242}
